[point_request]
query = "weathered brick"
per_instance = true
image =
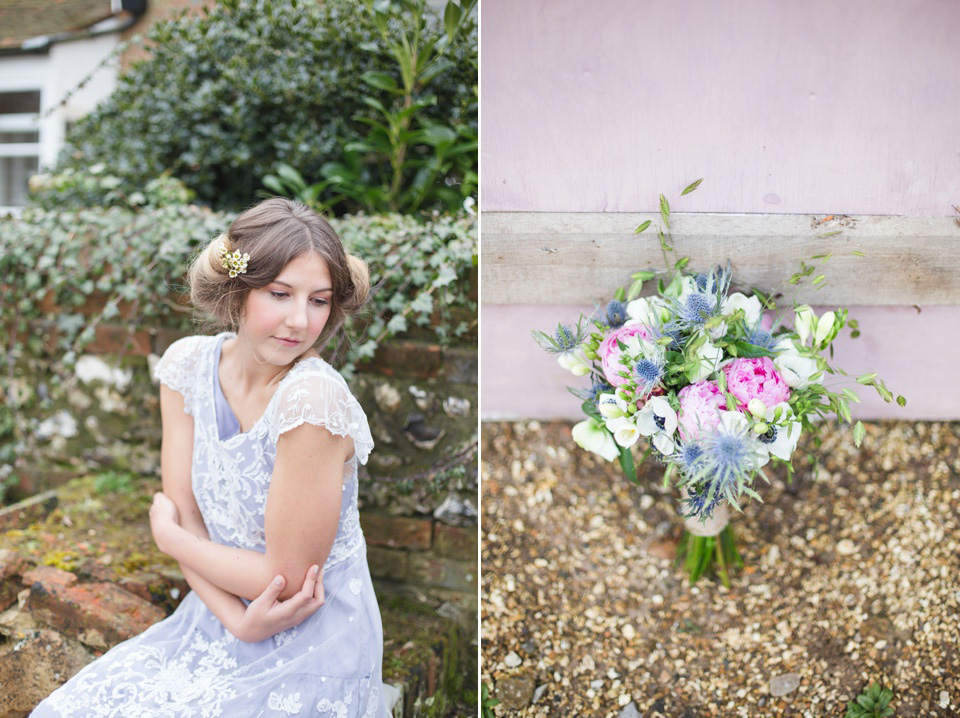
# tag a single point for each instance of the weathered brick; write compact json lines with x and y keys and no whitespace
{"x":396,"y":531}
{"x":405,"y":358}
{"x":437,"y":571}
{"x":460,"y":365}
{"x":388,"y":563}
{"x":455,"y":542}
{"x":12,"y":565}
{"x":40,"y":663}
{"x":116,"y":339}
{"x":103,"y":610}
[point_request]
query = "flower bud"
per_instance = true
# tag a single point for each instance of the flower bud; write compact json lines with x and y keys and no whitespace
{"x":803,"y":322}
{"x":756,"y":407}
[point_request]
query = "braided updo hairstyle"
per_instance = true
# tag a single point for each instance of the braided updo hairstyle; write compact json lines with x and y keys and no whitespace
{"x":273,"y":233}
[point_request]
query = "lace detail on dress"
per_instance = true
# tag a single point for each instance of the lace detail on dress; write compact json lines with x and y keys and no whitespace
{"x":179,"y":365}
{"x":349,"y":541}
{"x":195,"y":682}
{"x":372,"y":704}
{"x":338,"y":709}
{"x":314,"y":393}
{"x":290,"y":704}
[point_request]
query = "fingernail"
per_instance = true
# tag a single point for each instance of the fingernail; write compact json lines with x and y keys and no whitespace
{"x":316,"y":570}
{"x":278,"y":580}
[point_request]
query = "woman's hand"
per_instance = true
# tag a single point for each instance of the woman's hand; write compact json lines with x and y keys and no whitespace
{"x":266,"y":616}
{"x":163,"y":516}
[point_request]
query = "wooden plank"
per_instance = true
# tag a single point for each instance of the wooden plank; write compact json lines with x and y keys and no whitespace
{"x":581,"y":258}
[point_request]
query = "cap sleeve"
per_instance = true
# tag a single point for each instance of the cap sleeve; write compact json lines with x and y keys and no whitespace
{"x":320,"y":396}
{"x":179,"y":368}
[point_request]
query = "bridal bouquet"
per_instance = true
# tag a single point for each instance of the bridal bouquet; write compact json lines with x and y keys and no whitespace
{"x":713,"y":381}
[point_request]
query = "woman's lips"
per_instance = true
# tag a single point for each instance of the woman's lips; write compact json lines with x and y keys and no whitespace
{"x":288,"y":342}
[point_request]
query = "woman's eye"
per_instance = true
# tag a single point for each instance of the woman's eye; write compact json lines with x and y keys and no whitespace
{"x":278,"y":295}
{"x":320,"y":302}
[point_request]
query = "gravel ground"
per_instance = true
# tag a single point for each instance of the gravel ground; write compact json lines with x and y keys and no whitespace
{"x":852,"y":577}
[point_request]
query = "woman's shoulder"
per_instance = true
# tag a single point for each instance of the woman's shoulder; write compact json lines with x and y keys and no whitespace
{"x":313,"y":373}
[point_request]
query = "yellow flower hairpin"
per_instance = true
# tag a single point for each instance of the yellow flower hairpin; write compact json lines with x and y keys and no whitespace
{"x":234,"y":262}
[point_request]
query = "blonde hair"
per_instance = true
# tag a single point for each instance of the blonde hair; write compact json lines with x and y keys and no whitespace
{"x":273,"y":233}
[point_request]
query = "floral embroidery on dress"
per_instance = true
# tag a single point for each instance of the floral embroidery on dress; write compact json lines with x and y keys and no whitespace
{"x":285,"y":637}
{"x":373,"y":702}
{"x":193,"y":683}
{"x":290,"y":704}
{"x":338,"y":709}
{"x":355,"y":585}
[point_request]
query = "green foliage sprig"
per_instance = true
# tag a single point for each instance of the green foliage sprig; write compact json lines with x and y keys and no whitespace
{"x":873,"y":702}
{"x":227,"y":95}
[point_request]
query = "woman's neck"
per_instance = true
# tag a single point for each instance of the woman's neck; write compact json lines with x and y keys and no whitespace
{"x":249,"y":372}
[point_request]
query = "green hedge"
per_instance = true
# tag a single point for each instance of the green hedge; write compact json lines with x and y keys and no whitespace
{"x":228,"y":95}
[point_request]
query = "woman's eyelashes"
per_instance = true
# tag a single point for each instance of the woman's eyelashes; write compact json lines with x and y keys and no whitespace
{"x":317,"y":301}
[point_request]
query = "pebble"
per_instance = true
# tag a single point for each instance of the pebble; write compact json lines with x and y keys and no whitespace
{"x":629,"y":632}
{"x":646,"y":501}
{"x":538,"y":694}
{"x":846,"y":547}
{"x":783,"y":684}
{"x":944,"y":699}
{"x":624,"y":699}
{"x":512,"y":660}
{"x":630,"y":711}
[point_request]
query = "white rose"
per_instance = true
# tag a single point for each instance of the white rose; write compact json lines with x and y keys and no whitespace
{"x":592,"y":437}
{"x":649,"y":311}
{"x":752,"y":309}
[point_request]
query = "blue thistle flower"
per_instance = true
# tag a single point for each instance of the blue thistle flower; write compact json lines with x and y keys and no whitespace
{"x":705,"y":301}
{"x":648,"y":372}
{"x":565,"y":338}
{"x":759,"y":337}
{"x":616,"y":314}
{"x":726,"y":463}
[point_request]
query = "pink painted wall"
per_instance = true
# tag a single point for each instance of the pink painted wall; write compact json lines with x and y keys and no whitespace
{"x":822,"y":106}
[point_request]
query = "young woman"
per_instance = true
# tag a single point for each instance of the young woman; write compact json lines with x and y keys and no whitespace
{"x":261,"y":442}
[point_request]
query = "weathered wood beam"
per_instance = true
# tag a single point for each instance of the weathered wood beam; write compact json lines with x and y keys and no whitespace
{"x":581,"y":258}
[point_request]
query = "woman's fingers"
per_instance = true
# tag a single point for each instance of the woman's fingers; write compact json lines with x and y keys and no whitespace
{"x":310,"y":581}
{"x":271,"y":592}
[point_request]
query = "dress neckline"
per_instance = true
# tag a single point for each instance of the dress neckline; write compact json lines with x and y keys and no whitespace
{"x":218,"y":390}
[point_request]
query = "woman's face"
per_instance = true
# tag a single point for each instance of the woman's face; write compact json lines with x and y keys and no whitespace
{"x":284,"y":319}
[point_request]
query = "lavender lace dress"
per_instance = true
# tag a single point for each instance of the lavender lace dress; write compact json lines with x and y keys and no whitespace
{"x":189,"y":664}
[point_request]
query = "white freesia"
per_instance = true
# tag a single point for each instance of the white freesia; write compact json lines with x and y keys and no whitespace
{"x":803,"y":322}
{"x":593,"y":437}
{"x":752,"y":309}
{"x":797,"y":371}
{"x":574,"y":361}
{"x":708,"y":357}
{"x":611,"y":406}
{"x":824,"y":327}
{"x":784,"y":438}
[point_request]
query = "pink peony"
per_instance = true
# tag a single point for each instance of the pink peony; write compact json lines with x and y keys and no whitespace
{"x":700,"y":406}
{"x":609,"y":352}
{"x":756,"y":379}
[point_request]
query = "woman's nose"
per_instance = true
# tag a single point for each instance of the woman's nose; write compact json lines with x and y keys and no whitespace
{"x":297,"y":316}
